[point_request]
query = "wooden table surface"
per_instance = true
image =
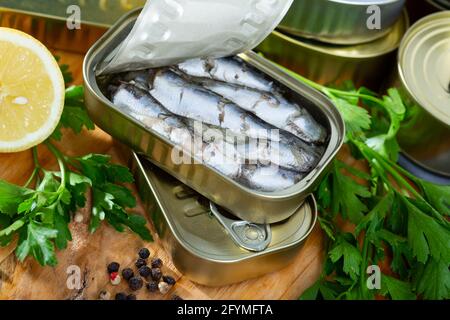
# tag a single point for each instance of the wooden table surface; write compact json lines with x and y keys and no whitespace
{"x":92,"y":252}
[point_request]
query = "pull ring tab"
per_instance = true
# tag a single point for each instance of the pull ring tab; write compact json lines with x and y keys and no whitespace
{"x":250,"y":236}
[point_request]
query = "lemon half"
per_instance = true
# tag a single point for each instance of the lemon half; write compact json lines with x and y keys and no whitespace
{"x":31,"y":91}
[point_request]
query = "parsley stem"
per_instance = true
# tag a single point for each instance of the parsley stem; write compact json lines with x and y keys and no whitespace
{"x":36,"y":169}
{"x":35,"y":157}
{"x":62,"y":166}
{"x":329,"y":91}
{"x":371,"y":154}
{"x":364,"y":264}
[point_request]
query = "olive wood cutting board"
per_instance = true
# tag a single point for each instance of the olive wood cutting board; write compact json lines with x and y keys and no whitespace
{"x":92,"y":252}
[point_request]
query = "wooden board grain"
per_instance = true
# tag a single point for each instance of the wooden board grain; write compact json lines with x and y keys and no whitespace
{"x":90,"y":253}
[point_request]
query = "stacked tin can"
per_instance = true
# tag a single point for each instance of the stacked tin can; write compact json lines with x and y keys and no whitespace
{"x":330,"y":41}
{"x":423,"y":77}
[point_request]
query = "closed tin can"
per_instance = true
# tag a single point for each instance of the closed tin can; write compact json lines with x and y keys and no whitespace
{"x":200,"y":247}
{"x":247,"y":204}
{"x":364,"y":64}
{"x":424,"y":79}
{"x":341,"y":21}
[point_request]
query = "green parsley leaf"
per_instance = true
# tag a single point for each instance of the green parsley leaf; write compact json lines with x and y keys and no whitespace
{"x":426,"y":236}
{"x":67,"y":75}
{"x":438,"y":196}
{"x":16,"y":225}
{"x":322,"y":289}
{"x":356,"y":119}
{"x":372,"y":222}
{"x":433,"y":279}
{"x":122,"y":196}
{"x":349,"y":253}
{"x":347,"y":194}
{"x":74,"y":115}
{"x":36,"y":240}
{"x":328,"y":227}
{"x":11,"y":196}
{"x":400,"y":251}
{"x":396,"y":289}
{"x":386,"y":144}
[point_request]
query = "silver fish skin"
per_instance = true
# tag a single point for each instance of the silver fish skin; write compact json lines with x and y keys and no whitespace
{"x":190,"y":100}
{"x":228,"y":70}
{"x":292,"y":155}
{"x":148,"y":111}
{"x":220,"y":156}
{"x":282,"y":150}
{"x":270,"y":178}
{"x":274,"y":109}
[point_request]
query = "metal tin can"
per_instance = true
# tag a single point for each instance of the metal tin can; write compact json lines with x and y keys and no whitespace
{"x":340,"y":21}
{"x":364,"y":64}
{"x":424,"y":78}
{"x":200,"y":247}
{"x":250,"y":205}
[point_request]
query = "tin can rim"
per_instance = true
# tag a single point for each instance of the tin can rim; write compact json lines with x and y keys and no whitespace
{"x":337,"y":124}
{"x":345,"y":51}
{"x":428,"y":21}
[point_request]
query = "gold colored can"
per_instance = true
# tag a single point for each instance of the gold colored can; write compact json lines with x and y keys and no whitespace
{"x":200,"y":247}
{"x":365,"y":64}
{"x":424,"y":79}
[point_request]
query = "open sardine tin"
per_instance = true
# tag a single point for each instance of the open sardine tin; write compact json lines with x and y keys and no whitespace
{"x":200,"y":247}
{"x":247,"y":204}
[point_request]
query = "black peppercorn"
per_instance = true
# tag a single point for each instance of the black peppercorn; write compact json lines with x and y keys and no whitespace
{"x":144,"y":253}
{"x":152,"y":286}
{"x":140,"y":262}
{"x":156,"y":274}
{"x":176,"y":297}
{"x":131,"y":297}
{"x":157,"y":263}
{"x":121,"y":296}
{"x":113,"y":267}
{"x":127,"y":273}
{"x":135,"y":283}
{"x":170,"y":280}
{"x":145,"y":271}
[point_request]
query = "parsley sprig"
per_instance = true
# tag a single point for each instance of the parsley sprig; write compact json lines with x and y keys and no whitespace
{"x":399,"y":219}
{"x":39,"y":216}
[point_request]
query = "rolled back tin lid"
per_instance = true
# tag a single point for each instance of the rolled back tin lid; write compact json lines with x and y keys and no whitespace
{"x":424,"y":64}
{"x":168,"y":32}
